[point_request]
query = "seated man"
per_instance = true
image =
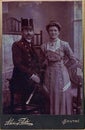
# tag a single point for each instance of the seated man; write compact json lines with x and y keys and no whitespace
{"x":26,"y":71}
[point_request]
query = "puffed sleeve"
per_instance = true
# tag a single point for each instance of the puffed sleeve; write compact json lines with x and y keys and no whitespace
{"x":72,"y":66}
{"x":70,"y":55}
{"x":69,"y":52}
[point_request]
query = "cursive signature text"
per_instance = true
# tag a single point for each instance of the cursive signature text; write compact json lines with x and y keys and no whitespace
{"x":20,"y":121}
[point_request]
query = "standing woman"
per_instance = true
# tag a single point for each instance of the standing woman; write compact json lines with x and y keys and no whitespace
{"x":57,"y":81}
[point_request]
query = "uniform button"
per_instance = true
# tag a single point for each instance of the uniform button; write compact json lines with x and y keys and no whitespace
{"x":22,"y":43}
{"x":25,"y":46}
{"x":28,"y":55}
{"x":29,"y":59}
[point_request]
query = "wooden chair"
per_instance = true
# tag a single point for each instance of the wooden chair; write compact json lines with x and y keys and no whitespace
{"x":77,"y":83}
{"x":12,"y":26}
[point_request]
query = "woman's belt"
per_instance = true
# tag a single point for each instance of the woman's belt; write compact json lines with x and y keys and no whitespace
{"x":54,"y":63}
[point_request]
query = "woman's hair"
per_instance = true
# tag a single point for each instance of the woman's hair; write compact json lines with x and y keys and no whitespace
{"x":53,"y":23}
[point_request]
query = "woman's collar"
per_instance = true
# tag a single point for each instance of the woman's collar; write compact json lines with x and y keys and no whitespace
{"x":55,"y":40}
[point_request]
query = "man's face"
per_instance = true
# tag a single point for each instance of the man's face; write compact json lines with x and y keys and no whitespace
{"x":28,"y":34}
{"x":53,"y":32}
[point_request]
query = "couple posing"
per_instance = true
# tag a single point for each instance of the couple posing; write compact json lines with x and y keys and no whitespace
{"x":56,"y":98}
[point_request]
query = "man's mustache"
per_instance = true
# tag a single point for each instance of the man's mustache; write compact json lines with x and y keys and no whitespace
{"x":29,"y":34}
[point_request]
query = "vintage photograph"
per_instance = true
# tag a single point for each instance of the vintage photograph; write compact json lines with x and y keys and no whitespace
{"x":42,"y":58}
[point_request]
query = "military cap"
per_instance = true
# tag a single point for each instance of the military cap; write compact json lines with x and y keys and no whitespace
{"x":26,"y":23}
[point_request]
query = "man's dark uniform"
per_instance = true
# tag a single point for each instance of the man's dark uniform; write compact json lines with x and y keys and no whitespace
{"x":25,"y":64}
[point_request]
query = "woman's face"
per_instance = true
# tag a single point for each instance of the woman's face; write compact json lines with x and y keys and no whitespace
{"x":53,"y":32}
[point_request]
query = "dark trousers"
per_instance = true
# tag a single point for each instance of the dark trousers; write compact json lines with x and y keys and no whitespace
{"x":26,"y":87}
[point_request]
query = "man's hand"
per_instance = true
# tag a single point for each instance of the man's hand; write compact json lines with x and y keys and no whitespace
{"x":35,"y":78}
